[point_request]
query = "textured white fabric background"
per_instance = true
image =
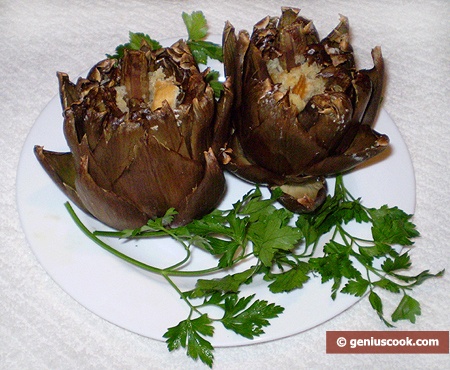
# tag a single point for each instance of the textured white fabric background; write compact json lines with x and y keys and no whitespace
{"x":41,"y":327}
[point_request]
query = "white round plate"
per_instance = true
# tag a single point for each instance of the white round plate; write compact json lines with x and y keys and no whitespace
{"x":145,"y":303}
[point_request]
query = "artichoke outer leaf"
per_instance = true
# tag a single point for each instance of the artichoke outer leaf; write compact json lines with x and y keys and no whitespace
{"x":205,"y":196}
{"x":158,"y":178}
{"x":234,"y":51}
{"x":376,"y":75}
{"x":164,"y":127}
{"x":222,"y":123}
{"x":278,"y":143}
{"x":67,"y":90}
{"x":114,"y":152}
{"x":202,"y":119}
{"x":366,"y":144}
{"x":322,"y":126}
{"x":237,"y":163}
{"x":61,"y":169}
{"x":96,"y":171}
{"x":106,"y":205}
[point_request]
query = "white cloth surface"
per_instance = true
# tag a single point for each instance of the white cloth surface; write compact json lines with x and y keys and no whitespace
{"x":42,"y":327}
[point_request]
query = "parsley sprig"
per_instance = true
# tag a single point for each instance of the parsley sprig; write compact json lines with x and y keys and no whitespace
{"x":286,"y":251}
{"x":357,"y":265}
{"x":197,"y":28}
{"x":137,"y":40}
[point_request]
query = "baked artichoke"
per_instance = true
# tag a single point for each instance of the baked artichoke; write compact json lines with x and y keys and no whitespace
{"x":144,"y":132}
{"x":302,"y":111}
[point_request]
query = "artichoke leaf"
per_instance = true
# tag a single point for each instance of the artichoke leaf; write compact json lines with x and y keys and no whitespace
{"x":327,"y":118}
{"x":199,"y":120}
{"x":164,"y":125}
{"x":61,"y":169}
{"x":234,"y":50}
{"x":103,"y":72}
{"x":114,"y":152}
{"x":106,"y":205}
{"x":238,"y":164}
{"x":366,"y":144}
{"x":279,"y":143}
{"x":158,"y":178}
{"x":337,"y":45}
{"x":222,"y":118}
{"x":205,"y":195}
{"x":135,"y":75}
{"x":68,"y":91}
{"x":376,"y":75}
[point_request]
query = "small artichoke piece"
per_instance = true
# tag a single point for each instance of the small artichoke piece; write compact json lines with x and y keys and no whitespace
{"x":302,"y":111}
{"x":144,"y":134}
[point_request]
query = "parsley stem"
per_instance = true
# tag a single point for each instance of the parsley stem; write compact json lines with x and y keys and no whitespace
{"x":191,"y":272}
{"x":181,"y":263}
{"x":107,"y":247}
{"x":121,"y":234}
{"x":183,"y":297}
{"x":164,"y":272}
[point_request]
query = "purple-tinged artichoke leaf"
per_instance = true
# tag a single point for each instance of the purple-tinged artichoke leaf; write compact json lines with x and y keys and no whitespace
{"x":366,"y":144}
{"x":96,"y":115}
{"x":327,"y":118}
{"x":363,"y":91}
{"x":234,"y":50}
{"x":61,"y":169}
{"x":303,"y":197}
{"x":337,"y":45}
{"x":202,"y":110}
{"x":263,"y":24}
{"x":76,"y":130}
{"x":105,"y":205}
{"x":80,"y":121}
{"x":230,"y":56}
{"x":368,"y":141}
{"x":158,"y":178}
{"x":279,"y":143}
{"x":205,"y":196}
{"x":288,"y":16}
{"x":376,"y":75}
{"x":237,"y":163}
{"x":101,"y":70}
{"x":135,"y":75}
{"x":67,"y":90}
{"x":295,"y":35}
{"x":93,"y":167}
{"x":196,"y":86}
{"x":114,"y":152}
{"x":71,"y":93}
{"x":338,"y":79}
{"x":165,"y":127}
{"x":293,"y":44}
{"x":255,"y":68}
{"x":222,"y":127}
